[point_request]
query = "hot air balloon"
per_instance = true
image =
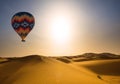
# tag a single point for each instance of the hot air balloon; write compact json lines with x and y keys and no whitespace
{"x":23,"y":23}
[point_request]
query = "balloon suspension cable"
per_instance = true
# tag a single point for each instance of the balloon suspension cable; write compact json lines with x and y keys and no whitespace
{"x":23,"y":40}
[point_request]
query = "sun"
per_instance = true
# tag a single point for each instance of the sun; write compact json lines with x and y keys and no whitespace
{"x":60,"y":29}
{"x":59,"y":26}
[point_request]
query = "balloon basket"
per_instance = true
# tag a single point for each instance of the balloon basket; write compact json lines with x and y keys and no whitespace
{"x":23,"y":40}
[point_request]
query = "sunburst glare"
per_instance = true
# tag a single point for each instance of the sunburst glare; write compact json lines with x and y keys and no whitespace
{"x":60,"y":29}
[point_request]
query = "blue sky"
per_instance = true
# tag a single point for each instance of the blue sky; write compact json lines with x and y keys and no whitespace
{"x":101,"y":31}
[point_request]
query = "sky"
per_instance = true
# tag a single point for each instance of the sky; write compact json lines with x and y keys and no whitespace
{"x":62,"y":27}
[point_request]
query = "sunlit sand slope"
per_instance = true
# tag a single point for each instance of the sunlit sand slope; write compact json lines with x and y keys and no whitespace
{"x":42,"y":70}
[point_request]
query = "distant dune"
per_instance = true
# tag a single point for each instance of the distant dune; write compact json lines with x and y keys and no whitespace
{"x":43,"y":70}
{"x":88,"y":57}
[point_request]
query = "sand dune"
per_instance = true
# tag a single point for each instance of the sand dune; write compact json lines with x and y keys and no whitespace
{"x":42,"y":70}
{"x":104,"y":66}
{"x":107,"y":70}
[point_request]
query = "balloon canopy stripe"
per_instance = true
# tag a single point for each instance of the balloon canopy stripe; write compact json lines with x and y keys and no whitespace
{"x":22,"y":18}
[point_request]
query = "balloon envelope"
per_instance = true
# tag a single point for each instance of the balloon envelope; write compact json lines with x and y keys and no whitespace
{"x":23,"y":23}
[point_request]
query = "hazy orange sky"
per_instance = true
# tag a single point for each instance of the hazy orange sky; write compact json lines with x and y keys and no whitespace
{"x":62,"y":27}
